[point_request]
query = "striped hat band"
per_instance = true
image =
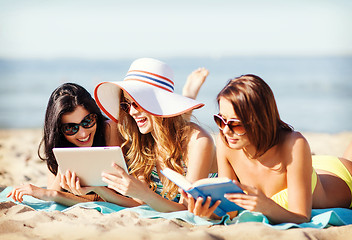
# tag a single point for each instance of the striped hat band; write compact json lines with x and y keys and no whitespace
{"x":151,"y":78}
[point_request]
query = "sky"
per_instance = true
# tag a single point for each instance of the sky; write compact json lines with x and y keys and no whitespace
{"x":107,"y":29}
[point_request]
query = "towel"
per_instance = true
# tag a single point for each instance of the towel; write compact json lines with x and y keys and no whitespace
{"x":144,"y":211}
{"x":321,"y":218}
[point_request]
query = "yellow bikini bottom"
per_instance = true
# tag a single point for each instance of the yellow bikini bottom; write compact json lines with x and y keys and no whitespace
{"x":327,"y":163}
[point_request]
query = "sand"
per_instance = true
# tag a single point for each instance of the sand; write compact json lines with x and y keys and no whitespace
{"x":19,"y":163}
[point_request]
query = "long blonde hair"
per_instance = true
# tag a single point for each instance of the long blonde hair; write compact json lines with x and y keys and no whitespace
{"x":142,"y":150}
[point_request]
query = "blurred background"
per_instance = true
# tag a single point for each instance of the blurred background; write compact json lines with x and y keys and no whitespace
{"x":302,"y":49}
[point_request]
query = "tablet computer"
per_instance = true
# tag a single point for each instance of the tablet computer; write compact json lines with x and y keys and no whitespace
{"x":89,"y":162}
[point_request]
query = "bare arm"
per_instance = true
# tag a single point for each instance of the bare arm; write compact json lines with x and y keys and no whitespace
{"x":299,"y":178}
{"x":299,"y":182}
{"x":196,"y":206}
{"x":71,"y":183}
{"x":139,"y":191}
{"x":67,"y":199}
{"x":201,"y":156}
{"x":159,"y":203}
{"x":299,"y":171}
{"x":53,"y":192}
{"x":53,"y":182}
{"x":200,"y":159}
{"x":111,"y":196}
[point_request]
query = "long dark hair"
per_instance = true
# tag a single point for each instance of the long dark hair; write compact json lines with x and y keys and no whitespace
{"x":255,"y":106}
{"x":65,"y":99}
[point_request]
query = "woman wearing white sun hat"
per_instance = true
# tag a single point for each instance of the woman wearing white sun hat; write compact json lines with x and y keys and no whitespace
{"x":151,"y":120}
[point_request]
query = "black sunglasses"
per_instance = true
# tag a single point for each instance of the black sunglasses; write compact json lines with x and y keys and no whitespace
{"x":126,"y":106}
{"x":234,"y":125}
{"x":88,"y":121}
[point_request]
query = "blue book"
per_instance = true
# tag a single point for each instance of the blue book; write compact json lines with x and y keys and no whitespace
{"x":216,"y":188}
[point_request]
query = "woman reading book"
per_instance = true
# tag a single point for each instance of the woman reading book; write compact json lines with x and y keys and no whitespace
{"x":154,"y":123}
{"x":270,"y":161}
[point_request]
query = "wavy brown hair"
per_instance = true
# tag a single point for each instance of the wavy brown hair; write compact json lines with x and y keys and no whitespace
{"x":255,"y":106}
{"x":171,"y":137}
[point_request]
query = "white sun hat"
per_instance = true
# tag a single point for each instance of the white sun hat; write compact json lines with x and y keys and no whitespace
{"x":149,"y":82}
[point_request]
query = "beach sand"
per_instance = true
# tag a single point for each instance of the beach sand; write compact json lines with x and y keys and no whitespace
{"x":19,"y":163}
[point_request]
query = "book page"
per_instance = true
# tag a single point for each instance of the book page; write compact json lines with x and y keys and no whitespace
{"x":177,"y":178}
{"x":205,"y":181}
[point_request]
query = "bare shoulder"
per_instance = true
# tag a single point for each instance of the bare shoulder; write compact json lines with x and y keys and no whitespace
{"x":200,"y":154}
{"x":198,"y":132}
{"x":112,"y":135}
{"x":111,"y":124}
{"x":296,"y":148}
{"x":200,"y":137}
{"x":294,"y":140}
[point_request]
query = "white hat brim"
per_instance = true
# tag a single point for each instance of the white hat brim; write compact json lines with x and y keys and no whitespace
{"x":151,"y":99}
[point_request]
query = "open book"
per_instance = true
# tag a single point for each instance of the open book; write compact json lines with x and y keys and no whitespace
{"x":216,"y":188}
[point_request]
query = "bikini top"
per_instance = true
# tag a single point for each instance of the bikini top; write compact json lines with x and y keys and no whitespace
{"x":159,"y":185}
{"x":155,"y":178}
{"x":281,"y":197}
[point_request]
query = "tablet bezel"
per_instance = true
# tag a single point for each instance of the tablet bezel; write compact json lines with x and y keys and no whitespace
{"x":89,"y":162}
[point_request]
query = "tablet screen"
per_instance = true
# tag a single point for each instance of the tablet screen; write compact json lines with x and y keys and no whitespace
{"x":89,"y":162}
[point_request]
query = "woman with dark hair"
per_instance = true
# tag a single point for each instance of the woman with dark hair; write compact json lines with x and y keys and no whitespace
{"x":66,"y":99}
{"x":270,"y":161}
{"x":72,"y":119}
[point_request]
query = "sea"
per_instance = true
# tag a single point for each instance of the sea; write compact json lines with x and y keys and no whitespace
{"x":313,"y":94}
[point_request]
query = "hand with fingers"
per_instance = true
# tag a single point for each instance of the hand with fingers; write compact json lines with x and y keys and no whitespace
{"x":18,"y":192}
{"x":70,"y":182}
{"x":200,"y":208}
{"x":125,"y":184}
{"x":255,"y":200}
